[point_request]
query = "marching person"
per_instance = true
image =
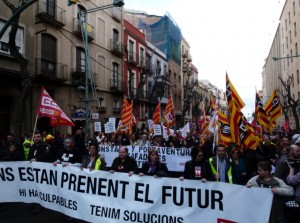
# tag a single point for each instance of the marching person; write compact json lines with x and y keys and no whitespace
{"x":70,"y":155}
{"x":124,"y":163}
{"x":39,"y":151}
{"x":197,"y":168}
{"x":221,"y":165}
{"x":267,"y":180}
{"x":153,"y":166}
{"x":93,"y":161}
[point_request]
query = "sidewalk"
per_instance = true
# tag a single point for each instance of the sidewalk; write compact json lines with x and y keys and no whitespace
{"x":21,"y":212}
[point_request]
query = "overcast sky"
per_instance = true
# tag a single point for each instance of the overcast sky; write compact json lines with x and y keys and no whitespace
{"x":224,"y":35}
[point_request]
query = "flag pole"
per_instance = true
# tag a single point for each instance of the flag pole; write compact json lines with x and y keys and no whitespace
{"x":34,"y":128}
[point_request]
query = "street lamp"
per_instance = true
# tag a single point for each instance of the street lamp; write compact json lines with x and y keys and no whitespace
{"x":281,"y":58}
{"x":88,"y":70}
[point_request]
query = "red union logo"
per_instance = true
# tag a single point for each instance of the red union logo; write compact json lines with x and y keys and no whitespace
{"x":225,"y":221}
{"x":46,"y":101}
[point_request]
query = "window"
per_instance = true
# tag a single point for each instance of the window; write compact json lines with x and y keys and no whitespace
{"x":293,"y":82}
{"x":286,"y":42}
{"x":142,"y":53}
{"x":165,"y":69}
{"x":294,"y":9}
{"x":298,"y":79}
{"x":116,"y":104}
{"x":49,"y":7}
{"x":101,"y":102}
{"x":48,"y":60}
{"x":131,"y":50}
{"x":5,"y":38}
{"x":285,"y":24}
{"x":290,"y":36}
{"x":289,"y":17}
{"x":296,"y":49}
{"x":291,"y":56}
{"x":115,"y":39}
{"x":80,"y":60}
{"x":158,"y":67}
{"x":295,"y":29}
{"x":115,"y":75}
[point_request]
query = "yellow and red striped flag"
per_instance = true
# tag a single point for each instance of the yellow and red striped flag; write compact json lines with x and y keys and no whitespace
{"x":272,"y":107}
{"x":156,"y":114}
{"x":169,"y":114}
{"x":232,"y":95}
{"x":261,"y":115}
{"x":126,"y":116}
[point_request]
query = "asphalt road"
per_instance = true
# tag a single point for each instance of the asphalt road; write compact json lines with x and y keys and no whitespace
{"x":22,"y":213}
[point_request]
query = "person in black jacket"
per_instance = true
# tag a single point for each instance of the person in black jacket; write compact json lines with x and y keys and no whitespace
{"x":197,"y":168}
{"x":124,"y":163}
{"x":153,"y":166}
{"x":39,"y":151}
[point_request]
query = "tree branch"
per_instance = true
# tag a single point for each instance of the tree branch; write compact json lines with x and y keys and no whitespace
{"x":9,"y":5}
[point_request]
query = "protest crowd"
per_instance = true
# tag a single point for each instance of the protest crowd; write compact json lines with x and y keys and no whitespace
{"x":274,"y":163}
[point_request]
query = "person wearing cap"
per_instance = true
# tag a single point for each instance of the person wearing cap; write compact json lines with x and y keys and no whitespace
{"x":124,"y":163}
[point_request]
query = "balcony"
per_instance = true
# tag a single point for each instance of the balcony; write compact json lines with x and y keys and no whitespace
{"x":102,"y":109}
{"x":116,"y":47}
{"x":116,"y":86}
{"x":51,"y":13}
{"x":78,"y":77}
{"x":144,"y":95}
{"x":51,"y":71}
{"x":117,"y":14}
{"x":77,"y":29}
{"x":116,"y":110}
{"x":132,"y":58}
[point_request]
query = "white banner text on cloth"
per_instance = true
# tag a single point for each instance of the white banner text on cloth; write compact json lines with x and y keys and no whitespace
{"x":100,"y":196}
{"x":174,"y":158}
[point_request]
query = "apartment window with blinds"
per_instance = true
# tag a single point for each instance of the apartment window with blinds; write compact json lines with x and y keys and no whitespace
{"x":48,"y":60}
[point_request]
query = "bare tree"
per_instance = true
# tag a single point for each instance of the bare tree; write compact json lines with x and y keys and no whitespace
{"x":26,"y":79}
{"x":289,"y":102}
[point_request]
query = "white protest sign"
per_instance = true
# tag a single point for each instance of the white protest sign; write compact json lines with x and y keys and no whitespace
{"x":157,"y":130}
{"x":97,"y":126}
{"x":100,"y":196}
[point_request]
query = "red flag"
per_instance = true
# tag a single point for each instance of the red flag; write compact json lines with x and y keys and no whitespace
{"x":49,"y":108}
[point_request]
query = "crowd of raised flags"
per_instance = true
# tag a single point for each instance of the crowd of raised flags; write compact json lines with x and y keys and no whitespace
{"x":232,"y":127}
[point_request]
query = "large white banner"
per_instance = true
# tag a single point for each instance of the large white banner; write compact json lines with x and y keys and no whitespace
{"x":174,"y":158}
{"x":105,"y":197}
